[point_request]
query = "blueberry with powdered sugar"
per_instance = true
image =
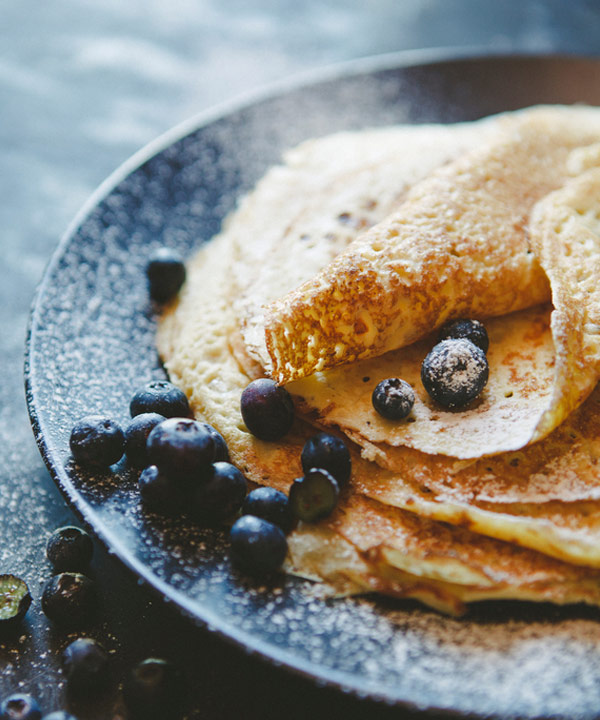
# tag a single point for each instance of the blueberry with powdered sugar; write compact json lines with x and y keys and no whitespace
{"x":70,"y":548}
{"x":70,"y":599}
{"x":454,"y":373}
{"x":393,"y":398}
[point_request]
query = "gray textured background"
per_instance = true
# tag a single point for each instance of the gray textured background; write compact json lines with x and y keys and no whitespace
{"x":85,"y":83}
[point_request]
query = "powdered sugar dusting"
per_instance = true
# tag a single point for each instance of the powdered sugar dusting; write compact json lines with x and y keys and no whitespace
{"x":92,"y":346}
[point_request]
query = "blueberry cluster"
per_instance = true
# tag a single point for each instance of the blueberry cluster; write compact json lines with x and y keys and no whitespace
{"x":185,"y":468}
{"x":268,"y":412}
{"x":258,"y":536}
{"x":70,"y":597}
{"x":258,"y":542}
{"x":186,"y":473}
{"x":454,"y":373}
{"x":98,"y":442}
{"x":184,"y":463}
{"x":153,"y":689}
{"x":326,"y":464}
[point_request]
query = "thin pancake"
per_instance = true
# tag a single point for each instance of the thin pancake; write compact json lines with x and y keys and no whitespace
{"x":369,"y":539}
{"x":398,"y":553}
{"x":507,"y":496}
{"x":569,"y":531}
{"x":456,"y":555}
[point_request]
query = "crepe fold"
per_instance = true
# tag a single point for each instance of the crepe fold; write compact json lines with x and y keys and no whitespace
{"x":328,"y":191}
{"x":565,"y":236}
{"x":464,"y":243}
{"x":458,"y":246}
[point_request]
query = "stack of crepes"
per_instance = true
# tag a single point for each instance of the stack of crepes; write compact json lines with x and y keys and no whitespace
{"x":335,"y":273}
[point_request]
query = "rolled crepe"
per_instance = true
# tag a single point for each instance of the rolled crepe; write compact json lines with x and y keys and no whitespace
{"x":458,"y":246}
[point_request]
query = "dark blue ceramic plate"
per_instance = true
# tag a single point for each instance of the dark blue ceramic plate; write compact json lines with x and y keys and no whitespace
{"x":91,"y":345}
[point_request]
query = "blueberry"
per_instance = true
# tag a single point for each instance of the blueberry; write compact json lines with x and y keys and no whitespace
{"x":162,"y":397}
{"x":14,"y":601}
{"x":267,"y":409}
{"x":219,"y":494}
{"x":136,"y":436}
{"x":70,"y":599}
{"x":59,"y":715}
{"x":328,"y":452}
{"x":257,"y":546}
{"x":313,"y":496}
{"x":96,"y":441}
{"x":166,"y":274}
{"x":70,"y":548}
{"x":269,"y":504}
{"x":471,"y":330}
{"x":393,"y":398}
{"x":181,"y":447}
{"x":454,"y":373}
{"x":20,"y":707}
{"x":154,"y":690}
{"x":221,"y":451}
{"x":87,"y":666}
{"x":161,"y":492}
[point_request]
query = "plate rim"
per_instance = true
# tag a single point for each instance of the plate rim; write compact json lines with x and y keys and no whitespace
{"x":243,"y":640}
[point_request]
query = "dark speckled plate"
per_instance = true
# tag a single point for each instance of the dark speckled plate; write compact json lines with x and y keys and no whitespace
{"x":91,"y":345}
